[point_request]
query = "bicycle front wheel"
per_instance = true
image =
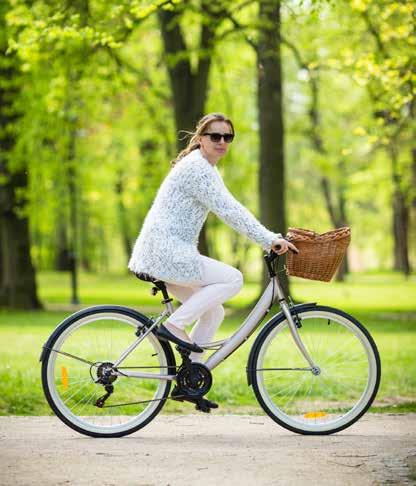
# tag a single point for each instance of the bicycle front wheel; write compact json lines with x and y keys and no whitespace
{"x":78,"y":364}
{"x":329,"y":398}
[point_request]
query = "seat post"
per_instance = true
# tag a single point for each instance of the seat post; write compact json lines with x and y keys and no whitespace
{"x":161,"y":285}
{"x":158,"y":285}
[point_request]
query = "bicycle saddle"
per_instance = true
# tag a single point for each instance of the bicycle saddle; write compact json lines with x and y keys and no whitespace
{"x":146,"y":277}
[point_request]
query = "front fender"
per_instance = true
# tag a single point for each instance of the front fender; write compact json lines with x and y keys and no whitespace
{"x":272,"y":322}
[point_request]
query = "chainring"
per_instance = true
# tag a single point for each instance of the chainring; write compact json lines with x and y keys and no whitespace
{"x":195,"y":379}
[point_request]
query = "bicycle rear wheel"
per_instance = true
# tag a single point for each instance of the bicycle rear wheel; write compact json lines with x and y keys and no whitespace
{"x":82,"y":350}
{"x":345,"y":383}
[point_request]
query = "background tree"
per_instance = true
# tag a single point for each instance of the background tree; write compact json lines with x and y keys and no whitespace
{"x":17,"y":274}
{"x":272,"y":182}
{"x":385,"y":64}
{"x":96,"y":124}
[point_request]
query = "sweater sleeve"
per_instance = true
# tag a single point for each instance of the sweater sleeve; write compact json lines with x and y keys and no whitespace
{"x":203,"y":182}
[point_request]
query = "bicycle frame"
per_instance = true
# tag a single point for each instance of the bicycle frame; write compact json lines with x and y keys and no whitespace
{"x":301,"y":402}
{"x":227,"y":346}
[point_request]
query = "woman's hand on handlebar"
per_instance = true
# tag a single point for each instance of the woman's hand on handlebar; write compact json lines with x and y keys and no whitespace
{"x":281,"y":246}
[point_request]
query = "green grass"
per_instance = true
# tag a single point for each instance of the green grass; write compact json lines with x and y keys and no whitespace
{"x":383,"y":302}
{"x":375,"y":292}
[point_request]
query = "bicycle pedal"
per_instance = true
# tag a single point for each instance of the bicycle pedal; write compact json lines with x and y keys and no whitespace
{"x":205,"y":405}
{"x":203,"y":408}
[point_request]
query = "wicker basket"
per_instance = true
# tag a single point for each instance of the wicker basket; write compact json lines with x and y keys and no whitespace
{"x":319,"y":255}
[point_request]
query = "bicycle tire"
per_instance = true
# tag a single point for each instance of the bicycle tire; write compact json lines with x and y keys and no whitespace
{"x":98,"y":315}
{"x":317,"y":417}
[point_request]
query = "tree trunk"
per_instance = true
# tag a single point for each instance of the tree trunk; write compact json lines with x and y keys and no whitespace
{"x":413,"y":198}
{"x":123,"y":219}
{"x":73,"y":218}
{"x":189,"y":89}
{"x":18,"y":283}
{"x":62,"y":260}
{"x":85,"y":244}
{"x":1,"y":267}
{"x":337,"y":216}
{"x":343,"y":269}
{"x":270,"y":116}
{"x":400,"y":231}
{"x":400,"y":221}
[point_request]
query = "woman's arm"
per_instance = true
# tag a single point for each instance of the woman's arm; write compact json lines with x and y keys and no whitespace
{"x":202,"y":182}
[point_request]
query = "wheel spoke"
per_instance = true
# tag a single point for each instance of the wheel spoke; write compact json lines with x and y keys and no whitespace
{"x":72,"y":356}
{"x":129,"y":402}
{"x":343,"y":385}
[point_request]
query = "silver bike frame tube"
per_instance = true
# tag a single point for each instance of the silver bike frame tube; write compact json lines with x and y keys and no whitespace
{"x":134,"y":345}
{"x":246,"y":328}
{"x":252,"y":321}
{"x":139,"y":374}
{"x":228,"y":346}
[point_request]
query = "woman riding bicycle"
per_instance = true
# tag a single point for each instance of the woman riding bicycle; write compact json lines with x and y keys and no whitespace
{"x":166,"y":247}
{"x":107,"y":370}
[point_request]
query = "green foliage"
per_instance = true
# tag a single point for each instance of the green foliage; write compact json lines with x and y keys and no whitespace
{"x":96,"y":107}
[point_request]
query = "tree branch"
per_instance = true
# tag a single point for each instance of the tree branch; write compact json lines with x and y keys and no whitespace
{"x":241,"y":27}
{"x":375,"y":34}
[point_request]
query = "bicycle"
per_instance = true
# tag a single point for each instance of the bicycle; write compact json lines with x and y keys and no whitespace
{"x":313,"y":369}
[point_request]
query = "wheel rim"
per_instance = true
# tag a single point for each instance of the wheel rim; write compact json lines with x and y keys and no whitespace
{"x":334,"y":397}
{"x":101,"y":338}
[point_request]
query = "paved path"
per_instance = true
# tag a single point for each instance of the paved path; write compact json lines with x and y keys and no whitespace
{"x":214,"y":449}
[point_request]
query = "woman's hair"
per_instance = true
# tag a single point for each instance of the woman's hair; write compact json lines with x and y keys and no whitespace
{"x":201,"y":126}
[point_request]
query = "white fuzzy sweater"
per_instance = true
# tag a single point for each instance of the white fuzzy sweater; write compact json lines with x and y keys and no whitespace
{"x":166,"y":247}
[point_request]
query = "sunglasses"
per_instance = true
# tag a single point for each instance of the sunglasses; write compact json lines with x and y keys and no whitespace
{"x":216,"y":137}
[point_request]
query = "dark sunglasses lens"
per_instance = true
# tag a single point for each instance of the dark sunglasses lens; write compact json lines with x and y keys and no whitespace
{"x":215,"y":137}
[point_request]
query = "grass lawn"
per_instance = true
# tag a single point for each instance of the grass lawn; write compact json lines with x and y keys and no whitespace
{"x":384,"y":302}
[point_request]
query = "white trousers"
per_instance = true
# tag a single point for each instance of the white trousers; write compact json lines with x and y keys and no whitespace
{"x":202,"y":302}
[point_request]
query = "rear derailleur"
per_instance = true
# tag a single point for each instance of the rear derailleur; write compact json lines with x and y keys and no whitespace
{"x":105,"y":377}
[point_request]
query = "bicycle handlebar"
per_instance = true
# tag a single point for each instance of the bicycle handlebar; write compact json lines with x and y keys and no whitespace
{"x":278,"y":248}
{"x":272,"y":255}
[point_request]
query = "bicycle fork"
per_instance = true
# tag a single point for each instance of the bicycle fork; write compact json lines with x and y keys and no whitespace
{"x":294,"y":329}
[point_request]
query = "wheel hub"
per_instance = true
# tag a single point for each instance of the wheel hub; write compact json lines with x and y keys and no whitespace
{"x":105,"y":373}
{"x":316,"y":370}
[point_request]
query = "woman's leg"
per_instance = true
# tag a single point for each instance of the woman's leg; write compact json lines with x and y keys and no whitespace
{"x":206,"y":326}
{"x":220,"y":283}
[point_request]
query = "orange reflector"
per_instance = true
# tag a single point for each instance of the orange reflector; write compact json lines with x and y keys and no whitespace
{"x":314,"y":414}
{"x":64,"y":376}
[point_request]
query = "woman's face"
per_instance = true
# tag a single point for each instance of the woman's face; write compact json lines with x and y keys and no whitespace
{"x":213,"y":151}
